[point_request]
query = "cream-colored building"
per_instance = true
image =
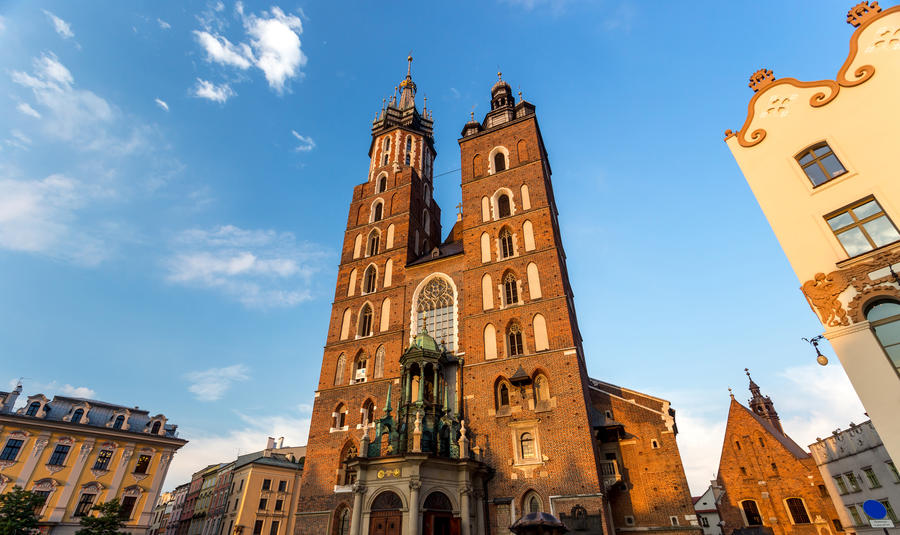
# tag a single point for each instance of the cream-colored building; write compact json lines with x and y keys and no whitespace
{"x":820,"y":158}
{"x":79,"y":452}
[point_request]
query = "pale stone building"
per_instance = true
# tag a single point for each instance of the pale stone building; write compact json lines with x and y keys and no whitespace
{"x":820,"y":159}
{"x":705,"y":506}
{"x":856,"y":467}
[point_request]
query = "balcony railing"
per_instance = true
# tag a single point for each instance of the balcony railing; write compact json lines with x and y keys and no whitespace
{"x":609,"y":470}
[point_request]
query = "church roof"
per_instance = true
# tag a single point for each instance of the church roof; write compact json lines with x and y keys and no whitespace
{"x":438,"y":252}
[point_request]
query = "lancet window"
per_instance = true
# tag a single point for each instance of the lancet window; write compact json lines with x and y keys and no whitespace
{"x":436,"y":305}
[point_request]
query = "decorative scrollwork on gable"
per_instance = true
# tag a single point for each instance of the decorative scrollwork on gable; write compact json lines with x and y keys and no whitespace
{"x":862,"y":11}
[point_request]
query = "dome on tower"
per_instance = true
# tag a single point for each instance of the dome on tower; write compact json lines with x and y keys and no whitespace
{"x":424,"y":340}
{"x":501,"y":93}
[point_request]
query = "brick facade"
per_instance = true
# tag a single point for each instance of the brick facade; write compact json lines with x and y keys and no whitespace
{"x":763,"y":465}
{"x":590,"y":460}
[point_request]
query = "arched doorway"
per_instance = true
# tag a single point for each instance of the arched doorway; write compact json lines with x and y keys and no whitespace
{"x":386,"y":517}
{"x":438,"y":515}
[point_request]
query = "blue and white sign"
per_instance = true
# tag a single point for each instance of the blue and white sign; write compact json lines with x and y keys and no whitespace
{"x":874,"y":509}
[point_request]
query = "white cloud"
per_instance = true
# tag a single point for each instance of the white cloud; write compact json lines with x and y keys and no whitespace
{"x":26,"y":108}
{"x":62,"y":27}
{"x":306,"y":143}
{"x":259,"y":268}
{"x":18,"y":140}
{"x":163,"y":24}
{"x":211,"y":91}
{"x":162,"y":104}
{"x":211,"y":384}
{"x":274,"y":44}
{"x":37,"y":215}
{"x":249,"y":435}
{"x":77,"y":391}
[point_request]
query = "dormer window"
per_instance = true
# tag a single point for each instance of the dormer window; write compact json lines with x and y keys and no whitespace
{"x":33,"y":409}
{"x":76,"y":416}
{"x":120,"y":421}
{"x":820,"y":164}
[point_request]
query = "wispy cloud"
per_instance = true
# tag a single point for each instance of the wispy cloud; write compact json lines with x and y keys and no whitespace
{"x":211,"y":91}
{"x":26,"y":108}
{"x":18,"y":140}
{"x":163,"y":24}
{"x":248,"y":435}
{"x":77,"y":391}
{"x":306,"y":143}
{"x":212,"y":384}
{"x":271,"y":43}
{"x":259,"y":268}
{"x":62,"y":27}
{"x":162,"y":104}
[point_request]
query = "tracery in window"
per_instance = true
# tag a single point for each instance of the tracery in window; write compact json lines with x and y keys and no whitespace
{"x":374,"y":239}
{"x":369,"y":279}
{"x":514,"y":339}
{"x":436,"y":304}
{"x":346,"y":474}
{"x":506,"y":243}
{"x":510,"y":289}
{"x":365,"y":321}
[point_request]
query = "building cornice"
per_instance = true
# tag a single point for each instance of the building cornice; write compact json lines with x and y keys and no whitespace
{"x":87,"y":430}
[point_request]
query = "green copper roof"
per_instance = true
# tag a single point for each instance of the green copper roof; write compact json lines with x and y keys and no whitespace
{"x":425,"y":341}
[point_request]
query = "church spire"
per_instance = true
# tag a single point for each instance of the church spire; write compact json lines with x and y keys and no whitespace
{"x":762,"y":405}
{"x":408,"y":87}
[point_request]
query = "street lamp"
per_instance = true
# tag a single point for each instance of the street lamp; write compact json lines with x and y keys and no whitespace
{"x":814,"y":341}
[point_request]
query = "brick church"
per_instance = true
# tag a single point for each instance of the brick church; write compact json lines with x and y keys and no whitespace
{"x":771,"y":484}
{"x":454,"y":396}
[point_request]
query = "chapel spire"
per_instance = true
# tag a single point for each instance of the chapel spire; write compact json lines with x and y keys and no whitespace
{"x":401,"y":111}
{"x":408,"y":87}
{"x":762,"y":405}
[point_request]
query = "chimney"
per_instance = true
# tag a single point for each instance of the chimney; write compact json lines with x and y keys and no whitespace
{"x":280,"y":442}
{"x":10,"y":402}
{"x":270,"y":443}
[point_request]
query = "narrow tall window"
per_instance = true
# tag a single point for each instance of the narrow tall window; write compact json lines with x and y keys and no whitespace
{"x":387,"y":151}
{"x":257,"y":527}
{"x":382,"y":184}
{"x":514,"y":340}
{"x":534,"y":504}
{"x":373,"y":243}
{"x":11,"y":449}
{"x":820,"y":164}
{"x":33,"y":409}
{"x":842,"y":487}
{"x":499,"y":162}
{"x":362,"y":364}
{"x":526,"y":443}
{"x":854,"y":483}
{"x":751,"y":513}
{"x":511,"y":289}
{"x":408,"y":149}
{"x":506,"y":243}
{"x":339,"y":370}
{"x":120,"y":421}
{"x":541,"y":389}
{"x":368,"y":411}
{"x":103,"y":458}
{"x":154,"y":430}
{"x":369,"y":279}
{"x":376,"y":216}
{"x":862,"y":226}
{"x":340,"y":417}
{"x":282,"y":486}
{"x":884,"y":318}
{"x":347,"y":475}
{"x":142,"y":465}
{"x":502,"y":396}
{"x":127,"y":507}
{"x":798,"y":511}
{"x":84,"y":504}
{"x":503,"y":206}
{"x":365,"y":321}
{"x":58,"y":458}
{"x":76,"y":416}
{"x":871,"y":477}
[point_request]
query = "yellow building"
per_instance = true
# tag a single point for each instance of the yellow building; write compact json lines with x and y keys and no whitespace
{"x":820,"y":159}
{"x":264,"y":488}
{"x":78,"y":452}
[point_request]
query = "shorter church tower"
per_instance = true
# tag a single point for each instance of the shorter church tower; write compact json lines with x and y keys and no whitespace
{"x":768,"y":480}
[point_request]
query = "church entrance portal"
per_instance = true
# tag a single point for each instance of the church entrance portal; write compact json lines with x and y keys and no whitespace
{"x":438,"y":516}
{"x":386,"y":517}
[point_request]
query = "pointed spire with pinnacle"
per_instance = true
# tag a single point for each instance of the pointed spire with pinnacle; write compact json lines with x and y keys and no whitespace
{"x":408,"y":87}
{"x":762,"y":405}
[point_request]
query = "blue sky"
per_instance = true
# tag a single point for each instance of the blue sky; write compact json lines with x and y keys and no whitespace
{"x":175,"y":179}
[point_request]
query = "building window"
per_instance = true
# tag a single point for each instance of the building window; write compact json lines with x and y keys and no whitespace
{"x":33,"y":409}
{"x":58,"y":458}
{"x":890,"y":510}
{"x":263,"y":502}
{"x":408,"y":149}
{"x":511,"y":289}
{"x":871,"y":477}
{"x":514,"y":340}
{"x":339,"y":418}
{"x":751,"y":513}
{"x":775,"y":468}
{"x":365,"y":321}
{"x":360,"y":367}
{"x":502,"y":396}
{"x":884,"y":318}
{"x":436,"y":302}
{"x":743,"y":471}
{"x":267,"y":484}
{"x":762,"y":443}
{"x":382,"y":184}
{"x":797,"y":510}
{"x":673,"y":520}
{"x":127,"y":507}
{"x":506,"y":243}
{"x":526,"y":445}
{"x":339,"y":370}
{"x":654,"y":444}
{"x":531,"y":503}
{"x":11,"y":449}
{"x":84,"y":504}
{"x":704,"y":521}
{"x":862,"y":226}
{"x":346,"y":474}
{"x":257,"y":527}
{"x":282,"y":486}
{"x":854,"y":513}
{"x":279,"y":504}
{"x":374,"y":238}
{"x":854,"y":483}
{"x":120,"y":421}
{"x":499,"y":162}
{"x":823,"y":491}
{"x":820,"y":164}
{"x":891,"y":466}
{"x":541,"y":389}
{"x":379,"y":360}
{"x":737,"y":444}
{"x":344,"y":523}
{"x":274,"y":529}
{"x":842,"y":487}
{"x":142,"y":465}
{"x":377,"y":211}
{"x":369,"y":279}
{"x":155,"y":429}
{"x":44,"y":494}
{"x":76,"y":416}
{"x":629,"y":520}
{"x":837,"y":524}
{"x":368,"y":410}
{"x":503,"y":205}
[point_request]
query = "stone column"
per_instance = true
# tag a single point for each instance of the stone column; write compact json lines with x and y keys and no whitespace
{"x":74,"y":476}
{"x":356,"y":517}
{"x":479,"y":511}
{"x":465,"y":511}
{"x":119,"y":475}
{"x":412,"y":521}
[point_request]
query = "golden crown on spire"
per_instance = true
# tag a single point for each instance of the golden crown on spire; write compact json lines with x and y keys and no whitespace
{"x":761,"y":79}
{"x":862,"y":12}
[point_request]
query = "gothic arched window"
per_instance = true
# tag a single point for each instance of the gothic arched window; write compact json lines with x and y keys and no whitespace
{"x":532,"y":503}
{"x":339,"y":370}
{"x":369,"y":279}
{"x":751,"y":513}
{"x":499,"y":162}
{"x":797,"y":510}
{"x":382,"y":184}
{"x":514,"y":340}
{"x":346,"y":474}
{"x":379,"y":362}
{"x":365,"y":321}
{"x":377,"y":211}
{"x":387,"y":151}
{"x":437,"y":302}
{"x":408,"y":148}
{"x":884,"y":318}
{"x":506,"y":243}
{"x":541,"y":389}
{"x":368,"y":411}
{"x":526,"y":443}
{"x":503,"y":209}
{"x":343,"y":524}
{"x":360,"y":367}
{"x":374,"y":239}
{"x":510,"y":289}
{"x":502,"y":396}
